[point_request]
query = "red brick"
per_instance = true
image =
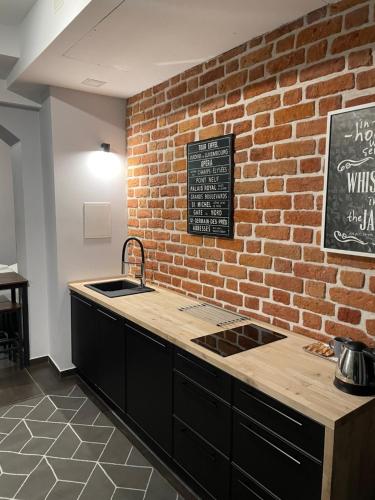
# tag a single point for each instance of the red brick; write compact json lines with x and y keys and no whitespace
{"x":312,"y":320}
{"x":323,"y":68}
{"x":352,"y":279}
{"x":315,"y":272}
{"x":272,"y":202}
{"x":315,"y":289}
{"x":313,"y":254}
{"x":285,"y":44}
{"x":176,"y":91}
{"x":332,"y":86}
{"x":366,"y":79}
{"x":284,"y":282}
{"x":370,"y":326}
{"x":288,"y":78}
{"x":283,"y":312}
{"x":294,"y":149}
{"x":233,"y":81}
{"x":315,"y":305}
{"x":213,"y":131}
{"x":259,"y":88}
{"x":317,"y":51}
{"x":304,"y":184}
{"x":259,"y":154}
{"x":212,"y":104}
{"x":311,"y":127}
{"x":303,"y":218}
{"x":357,"y":17}
{"x":286,"y":61}
{"x":254,"y":290}
{"x":273,"y":232}
{"x":349,"y":315}
{"x":360,"y":100}
{"x":341,"y":330}
{"x":259,"y":261}
{"x":230,"y":297}
{"x":353,"y":39}
{"x":302,"y":235}
{"x":360,"y":58}
{"x":233,"y":271}
{"x":319,"y":30}
{"x":248,"y":187}
{"x":230,"y":113}
{"x":294,"y":113}
{"x":275,"y":185}
{"x":283,"y":30}
{"x":273,"y":134}
{"x":351,"y":261}
{"x":344,"y":5}
{"x":263,"y":104}
{"x":329,"y":104}
{"x":282,"y":250}
{"x":212,"y":75}
{"x":256,"y":56}
{"x":351,"y":298}
{"x":278,"y":168}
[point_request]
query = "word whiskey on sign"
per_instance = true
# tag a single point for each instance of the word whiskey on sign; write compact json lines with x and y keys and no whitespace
{"x":349,"y":209}
{"x":210,"y":169}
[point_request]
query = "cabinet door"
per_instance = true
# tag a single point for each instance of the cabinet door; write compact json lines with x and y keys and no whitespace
{"x":149,"y":384}
{"x":84,"y":333}
{"x":110,"y":347}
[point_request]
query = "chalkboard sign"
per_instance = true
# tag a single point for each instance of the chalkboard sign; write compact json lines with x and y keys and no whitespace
{"x":349,"y":206}
{"x":210,"y":170}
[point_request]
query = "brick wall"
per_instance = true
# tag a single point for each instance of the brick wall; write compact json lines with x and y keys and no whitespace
{"x":274,"y":93}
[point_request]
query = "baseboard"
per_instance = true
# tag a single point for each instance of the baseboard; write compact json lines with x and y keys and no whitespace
{"x":49,"y":360}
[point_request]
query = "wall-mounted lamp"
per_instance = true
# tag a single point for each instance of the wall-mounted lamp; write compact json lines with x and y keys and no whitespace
{"x":104,"y":164}
{"x":105,"y":147}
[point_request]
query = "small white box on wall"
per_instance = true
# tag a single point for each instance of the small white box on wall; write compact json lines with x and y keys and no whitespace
{"x":97,"y":220}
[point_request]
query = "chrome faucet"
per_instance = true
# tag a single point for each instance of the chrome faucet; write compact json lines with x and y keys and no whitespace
{"x":141,"y":275}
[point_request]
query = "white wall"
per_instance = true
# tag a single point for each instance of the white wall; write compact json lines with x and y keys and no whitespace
{"x":7,"y":219}
{"x":80,"y":122}
{"x":21,"y":129}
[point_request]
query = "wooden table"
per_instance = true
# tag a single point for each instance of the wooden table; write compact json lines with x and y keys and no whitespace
{"x":14,"y":282}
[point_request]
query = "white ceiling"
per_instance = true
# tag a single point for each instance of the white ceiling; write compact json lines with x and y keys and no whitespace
{"x":12,"y":12}
{"x":144,"y":42}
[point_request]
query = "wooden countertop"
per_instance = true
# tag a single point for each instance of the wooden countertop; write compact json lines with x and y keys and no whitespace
{"x":281,"y":369}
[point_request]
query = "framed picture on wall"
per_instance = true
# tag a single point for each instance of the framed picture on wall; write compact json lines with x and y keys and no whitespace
{"x":349,"y":192}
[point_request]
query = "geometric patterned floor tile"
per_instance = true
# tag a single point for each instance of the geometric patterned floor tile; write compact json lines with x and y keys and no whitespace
{"x":65,"y":491}
{"x":38,"y":484}
{"x":63,"y":447}
{"x":16,"y":439}
{"x":129,"y":477}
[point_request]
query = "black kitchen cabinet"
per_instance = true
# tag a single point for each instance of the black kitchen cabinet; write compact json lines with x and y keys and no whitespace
{"x":98,"y":348}
{"x":149,"y":385}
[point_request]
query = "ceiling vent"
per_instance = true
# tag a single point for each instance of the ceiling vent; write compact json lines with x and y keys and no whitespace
{"x":91,"y":82}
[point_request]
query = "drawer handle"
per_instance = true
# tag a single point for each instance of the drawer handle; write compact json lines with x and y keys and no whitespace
{"x":138,"y":332}
{"x":198,"y":365}
{"x":106,"y":314}
{"x":271,"y":407}
{"x":270,"y":444}
{"x":81,"y":300}
{"x":196,"y":440}
{"x":192,"y":389}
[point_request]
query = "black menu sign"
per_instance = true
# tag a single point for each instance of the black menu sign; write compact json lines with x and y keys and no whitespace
{"x":349,"y":209}
{"x":210,"y":171}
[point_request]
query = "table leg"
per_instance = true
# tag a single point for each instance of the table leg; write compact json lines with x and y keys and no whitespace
{"x":25,"y":324}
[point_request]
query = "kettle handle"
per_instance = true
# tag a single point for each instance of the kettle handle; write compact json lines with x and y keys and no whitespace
{"x":370,"y":353}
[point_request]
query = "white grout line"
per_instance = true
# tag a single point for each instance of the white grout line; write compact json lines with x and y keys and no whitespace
{"x":148,"y":484}
{"x":28,"y":475}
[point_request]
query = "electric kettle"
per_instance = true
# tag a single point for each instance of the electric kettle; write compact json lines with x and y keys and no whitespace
{"x":355,"y":372}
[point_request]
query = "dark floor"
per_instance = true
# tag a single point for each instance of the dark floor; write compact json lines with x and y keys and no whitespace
{"x":58,"y":441}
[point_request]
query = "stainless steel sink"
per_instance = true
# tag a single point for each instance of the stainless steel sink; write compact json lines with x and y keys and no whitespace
{"x":119,"y":288}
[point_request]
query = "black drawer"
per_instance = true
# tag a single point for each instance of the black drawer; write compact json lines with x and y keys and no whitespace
{"x":281,"y":468}
{"x":244,"y":488}
{"x":209,"y":468}
{"x":203,"y":373}
{"x":203,"y":412}
{"x":289,"y":424}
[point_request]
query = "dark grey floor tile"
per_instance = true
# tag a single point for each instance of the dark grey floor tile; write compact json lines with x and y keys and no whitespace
{"x":49,"y":381}
{"x":71,"y":470}
{"x":117,"y":449}
{"x":89,"y":451}
{"x":77,"y":391}
{"x":62,"y":416}
{"x":38,"y":484}
{"x":93,"y":434}
{"x":37,"y":446}
{"x":42,"y":411}
{"x":65,"y":445}
{"x":86,"y":414}
{"x":67,"y":403}
{"x":159,"y":488}
{"x":7,"y":424}
{"x":45,"y":429}
{"x":16,"y":385}
{"x":10,"y":483}
{"x":136,"y":458}
{"x":128,"y":477}
{"x":18,"y":411}
{"x":98,"y":487}
{"x":103,"y":420}
{"x":127,"y":494}
{"x":65,"y":491}
{"x":15,"y":463}
{"x":16,"y":439}
{"x":2,"y":436}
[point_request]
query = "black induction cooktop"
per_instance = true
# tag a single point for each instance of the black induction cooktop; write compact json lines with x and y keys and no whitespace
{"x":235,"y":340}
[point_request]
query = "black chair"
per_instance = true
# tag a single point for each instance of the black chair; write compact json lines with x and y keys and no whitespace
{"x":11,"y":337}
